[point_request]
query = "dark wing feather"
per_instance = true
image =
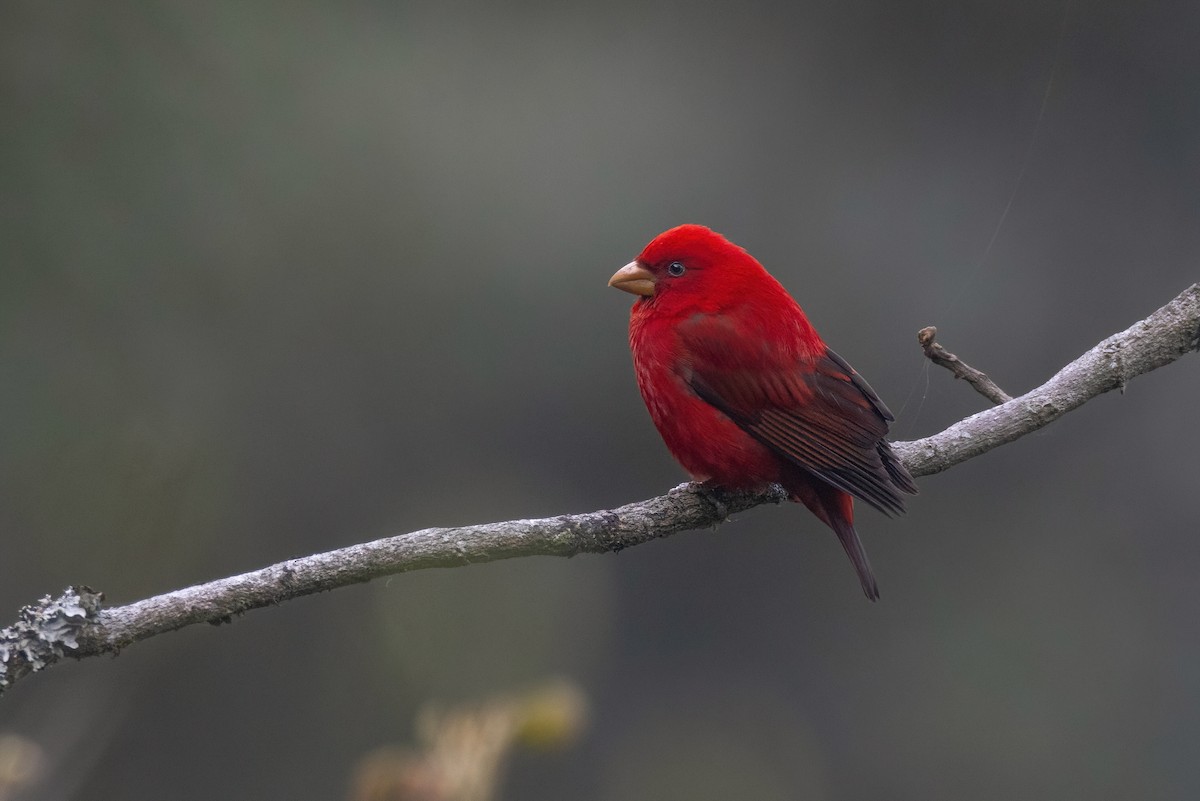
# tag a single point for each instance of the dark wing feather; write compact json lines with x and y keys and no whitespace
{"x":817,"y":413}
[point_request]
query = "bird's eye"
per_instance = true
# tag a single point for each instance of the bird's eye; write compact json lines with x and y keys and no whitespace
{"x":675,"y":268}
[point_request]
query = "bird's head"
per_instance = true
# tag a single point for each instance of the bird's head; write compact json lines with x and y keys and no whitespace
{"x":688,"y":265}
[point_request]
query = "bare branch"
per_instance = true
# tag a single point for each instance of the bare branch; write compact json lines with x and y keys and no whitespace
{"x":1160,"y":339}
{"x":976,"y":378}
{"x":75,"y":625}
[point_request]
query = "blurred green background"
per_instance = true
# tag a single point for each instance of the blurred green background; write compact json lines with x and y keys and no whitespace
{"x":285,"y":276}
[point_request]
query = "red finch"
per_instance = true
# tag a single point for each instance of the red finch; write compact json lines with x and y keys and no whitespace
{"x":745,"y":393}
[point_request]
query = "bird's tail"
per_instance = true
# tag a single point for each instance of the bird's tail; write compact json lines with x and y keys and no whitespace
{"x":854,"y":549}
{"x":836,"y":510}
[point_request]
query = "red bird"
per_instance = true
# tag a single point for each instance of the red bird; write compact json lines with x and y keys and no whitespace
{"x":745,"y":393}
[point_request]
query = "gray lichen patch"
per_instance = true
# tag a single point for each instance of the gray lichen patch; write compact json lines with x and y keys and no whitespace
{"x":45,"y":631}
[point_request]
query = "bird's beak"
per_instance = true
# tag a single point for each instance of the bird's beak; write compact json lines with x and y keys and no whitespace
{"x":633,"y":278}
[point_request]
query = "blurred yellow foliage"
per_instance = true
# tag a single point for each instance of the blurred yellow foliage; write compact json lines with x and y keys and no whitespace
{"x":21,"y":762}
{"x":463,"y":749}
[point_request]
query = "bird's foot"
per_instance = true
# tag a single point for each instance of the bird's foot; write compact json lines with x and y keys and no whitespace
{"x":715,"y":497}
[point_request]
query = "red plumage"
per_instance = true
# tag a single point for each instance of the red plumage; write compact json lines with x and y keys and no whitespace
{"x":744,"y":391}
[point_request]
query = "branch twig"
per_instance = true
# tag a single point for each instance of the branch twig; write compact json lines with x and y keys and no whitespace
{"x":976,"y":378}
{"x":1160,"y":339}
{"x":75,"y":625}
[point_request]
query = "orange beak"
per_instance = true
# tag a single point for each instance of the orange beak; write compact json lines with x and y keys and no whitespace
{"x":633,"y":278}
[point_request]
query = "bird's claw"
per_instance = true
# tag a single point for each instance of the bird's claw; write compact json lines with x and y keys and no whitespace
{"x":715,"y":498}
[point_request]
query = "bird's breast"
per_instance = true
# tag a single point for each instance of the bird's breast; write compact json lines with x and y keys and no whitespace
{"x":702,"y":439}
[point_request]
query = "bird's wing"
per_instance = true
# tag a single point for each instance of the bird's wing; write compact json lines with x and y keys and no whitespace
{"x":815,"y":410}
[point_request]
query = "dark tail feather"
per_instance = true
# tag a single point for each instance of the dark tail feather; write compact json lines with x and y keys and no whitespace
{"x":854,"y":549}
{"x":836,"y":510}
